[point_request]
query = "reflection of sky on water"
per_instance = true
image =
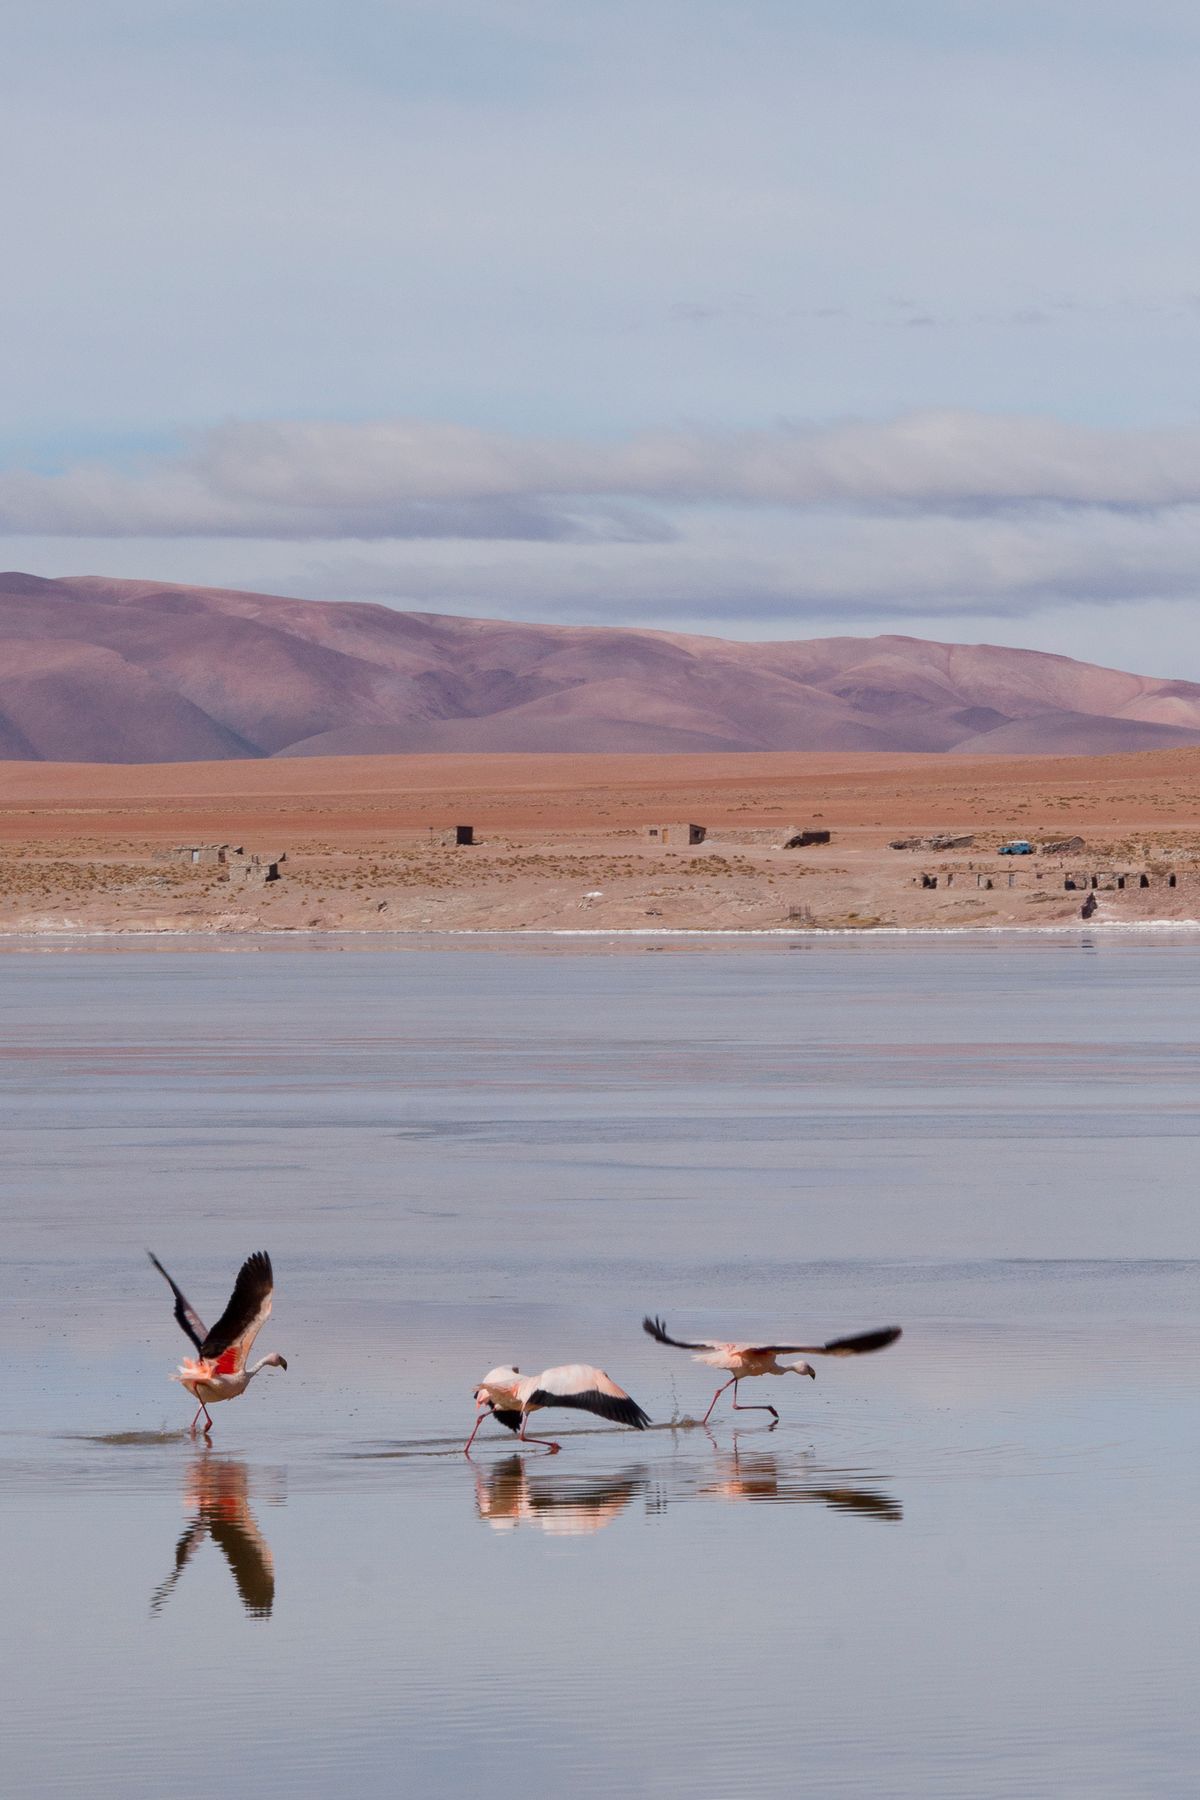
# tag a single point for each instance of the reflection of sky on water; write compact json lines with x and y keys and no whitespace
{"x":912,"y":1588}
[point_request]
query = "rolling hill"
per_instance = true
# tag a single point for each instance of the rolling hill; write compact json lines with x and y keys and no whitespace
{"x":99,"y":670}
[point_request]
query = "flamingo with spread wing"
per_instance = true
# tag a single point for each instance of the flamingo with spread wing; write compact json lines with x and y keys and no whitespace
{"x":509,"y":1398}
{"x":218,"y":1371}
{"x":746,"y":1360}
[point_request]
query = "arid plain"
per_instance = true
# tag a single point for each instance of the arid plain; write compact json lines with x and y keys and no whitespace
{"x":562,"y":842}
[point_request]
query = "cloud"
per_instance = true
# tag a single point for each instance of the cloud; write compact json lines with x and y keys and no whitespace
{"x":738,"y":572}
{"x":410,"y":479}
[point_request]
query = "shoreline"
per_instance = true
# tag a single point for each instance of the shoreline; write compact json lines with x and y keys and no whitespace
{"x":587,"y":848}
{"x":256,"y":937}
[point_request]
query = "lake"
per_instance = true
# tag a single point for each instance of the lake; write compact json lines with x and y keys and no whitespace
{"x":966,"y":1566}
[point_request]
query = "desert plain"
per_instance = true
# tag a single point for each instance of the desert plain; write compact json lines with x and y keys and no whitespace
{"x":562,"y":842}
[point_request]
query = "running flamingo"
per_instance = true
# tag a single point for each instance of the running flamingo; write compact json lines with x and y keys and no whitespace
{"x":220,"y":1371}
{"x":746,"y":1360}
{"x":510,"y":1398}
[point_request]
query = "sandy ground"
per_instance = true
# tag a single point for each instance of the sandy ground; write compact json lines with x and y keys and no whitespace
{"x":563,"y":842}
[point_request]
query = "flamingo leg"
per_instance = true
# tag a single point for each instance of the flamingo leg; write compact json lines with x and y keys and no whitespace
{"x":524,"y":1439}
{"x":763,"y":1408}
{"x":732,"y":1382}
{"x":202,"y":1408}
{"x":479,"y":1418}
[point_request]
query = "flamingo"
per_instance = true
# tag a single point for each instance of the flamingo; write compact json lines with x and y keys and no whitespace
{"x":510,"y":1398}
{"x":746,"y":1360}
{"x":219,"y":1371}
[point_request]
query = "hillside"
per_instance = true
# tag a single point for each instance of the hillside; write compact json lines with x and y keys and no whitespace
{"x":98,"y":670}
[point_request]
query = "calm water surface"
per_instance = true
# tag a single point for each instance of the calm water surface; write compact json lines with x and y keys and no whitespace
{"x":967,"y":1567}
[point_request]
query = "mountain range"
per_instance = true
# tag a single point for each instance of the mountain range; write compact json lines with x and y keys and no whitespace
{"x":100,"y":670}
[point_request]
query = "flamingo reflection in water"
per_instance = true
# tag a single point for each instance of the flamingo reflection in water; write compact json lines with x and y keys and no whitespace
{"x":217,"y":1493}
{"x":506,"y":1496}
{"x":758,"y":1475}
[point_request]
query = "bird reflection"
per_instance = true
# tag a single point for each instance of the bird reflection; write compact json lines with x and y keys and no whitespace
{"x":507,"y":1494}
{"x":758,"y":1475}
{"x":217,"y":1493}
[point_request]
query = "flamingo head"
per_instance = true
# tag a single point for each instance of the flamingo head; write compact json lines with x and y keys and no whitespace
{"x":496,"y":1382}
{"x":802,"y":1368}
{"x":274,"y":1361}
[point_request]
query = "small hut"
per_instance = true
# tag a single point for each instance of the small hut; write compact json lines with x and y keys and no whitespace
{"x":674,"y":836}
{"x":257,"y":869}
{"x":199,"y":856}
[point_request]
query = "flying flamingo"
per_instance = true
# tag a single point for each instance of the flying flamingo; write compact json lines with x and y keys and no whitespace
{"x":745,"y":1360}
{"x":220,"y":1371}
{"x":510,"y":1398}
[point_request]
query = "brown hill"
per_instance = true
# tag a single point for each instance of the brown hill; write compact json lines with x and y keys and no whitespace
{"x":96,"y":670}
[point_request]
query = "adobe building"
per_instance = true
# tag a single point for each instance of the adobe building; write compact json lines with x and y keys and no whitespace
{"x":199,"y":856}
{"x":255,"y":870}
{"x":675,"y":837}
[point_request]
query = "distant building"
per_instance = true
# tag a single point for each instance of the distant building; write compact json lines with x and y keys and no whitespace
{"x":199,"y":855}
{"x":799,"y":838}
{"x":255,"y":870}
{"x":675,"y":836}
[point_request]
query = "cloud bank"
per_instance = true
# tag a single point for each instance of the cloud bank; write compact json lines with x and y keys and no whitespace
{"x":405,"y":479}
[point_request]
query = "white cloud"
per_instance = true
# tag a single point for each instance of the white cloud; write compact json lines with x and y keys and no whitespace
{"x":411,"y":479}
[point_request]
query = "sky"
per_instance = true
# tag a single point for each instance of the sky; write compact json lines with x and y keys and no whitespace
{"x":749,"y":317}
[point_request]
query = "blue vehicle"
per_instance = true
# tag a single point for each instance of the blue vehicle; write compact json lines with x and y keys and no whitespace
{"x":1018,"y":847}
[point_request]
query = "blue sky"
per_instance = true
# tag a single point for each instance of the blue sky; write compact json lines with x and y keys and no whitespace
{"x":763,"y":319}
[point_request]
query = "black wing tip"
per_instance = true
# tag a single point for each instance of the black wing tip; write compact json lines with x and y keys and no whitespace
{"x":657,"y":1329}
{"x":620,"y":1409}
{"x":866,"y":1341}
{"x":257,"y":1263}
